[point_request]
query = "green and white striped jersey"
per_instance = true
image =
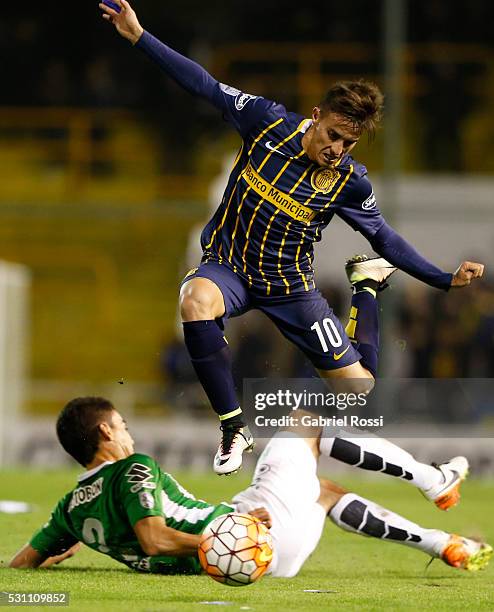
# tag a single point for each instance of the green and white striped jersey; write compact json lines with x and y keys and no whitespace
{"x":109,"y":500}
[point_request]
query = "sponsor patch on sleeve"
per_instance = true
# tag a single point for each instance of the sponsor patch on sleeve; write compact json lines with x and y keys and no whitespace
{"x":369,"y":203}
{"x":230,"y":91}
{"x":147,"y":500}
{"x":241,"y":98}
{"x":140,"y":477}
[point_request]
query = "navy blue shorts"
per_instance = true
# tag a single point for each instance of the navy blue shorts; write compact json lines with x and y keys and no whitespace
{"x":304,"y":318}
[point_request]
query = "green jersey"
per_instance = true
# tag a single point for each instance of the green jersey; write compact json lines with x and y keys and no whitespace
{"x":109,"y":500}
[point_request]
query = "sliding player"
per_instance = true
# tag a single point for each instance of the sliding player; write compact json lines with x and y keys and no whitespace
{"x":291,"y":176}
{"x":124,"y":506}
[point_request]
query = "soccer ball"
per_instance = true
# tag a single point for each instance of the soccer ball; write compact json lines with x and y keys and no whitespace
{"x":235,"y":549}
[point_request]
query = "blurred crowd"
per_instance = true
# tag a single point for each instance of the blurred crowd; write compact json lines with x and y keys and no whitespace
{"x":448,"y":335}
{"x":71,"y":57}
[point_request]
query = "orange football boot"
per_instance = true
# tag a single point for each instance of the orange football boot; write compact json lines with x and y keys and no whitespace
{"x":467,"y":554}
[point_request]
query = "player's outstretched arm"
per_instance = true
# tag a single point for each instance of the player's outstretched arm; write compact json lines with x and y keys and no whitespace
{"x":242,"y":110}
{"x":155,"y":538}
{"x":395,"y":249}
{"x":29,"y":558}
{"x":362,"y":213}
{"x":466,"y":272}
{"x":56,"y":559}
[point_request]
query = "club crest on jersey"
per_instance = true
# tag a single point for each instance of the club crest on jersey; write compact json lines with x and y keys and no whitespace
{"x":140,"y":476}
{"x":241,"y":98}
{"x":324,"y":179}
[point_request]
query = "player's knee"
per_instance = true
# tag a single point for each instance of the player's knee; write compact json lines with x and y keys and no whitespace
{"x":330,"y":487}
{"x":361,"y":382}
{"x":330,"y":494}
{"x":198,"y":302}
{"x":194,"y":306}
{"x":354,"y":378}
{"x":363,"y":385}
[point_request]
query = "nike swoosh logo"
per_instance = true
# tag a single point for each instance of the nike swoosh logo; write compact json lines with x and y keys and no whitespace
{"x":265,"y":556}
{"x":275,"y":150}
{"x":340,"y":355}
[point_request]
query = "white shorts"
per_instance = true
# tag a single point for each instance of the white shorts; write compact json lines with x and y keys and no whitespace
{"x":286,"y":484}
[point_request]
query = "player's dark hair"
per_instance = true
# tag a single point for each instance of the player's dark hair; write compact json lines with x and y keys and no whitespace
{"x":361,"y":102}
{"x":77,"y":426}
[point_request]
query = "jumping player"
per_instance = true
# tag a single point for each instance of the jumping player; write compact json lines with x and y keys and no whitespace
{"x":290,"y":177}
{"x":126,"y":507}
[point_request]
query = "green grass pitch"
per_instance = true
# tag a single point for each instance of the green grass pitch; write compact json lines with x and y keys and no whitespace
{"x":358,"y":573}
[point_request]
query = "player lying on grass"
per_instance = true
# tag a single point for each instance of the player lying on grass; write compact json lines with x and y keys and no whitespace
{"x":291,"y":176}
{"x":124,"y":506}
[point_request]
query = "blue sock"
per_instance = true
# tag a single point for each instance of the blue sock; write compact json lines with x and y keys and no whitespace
{"x":212,"y":361}
{"x":363,"y":327}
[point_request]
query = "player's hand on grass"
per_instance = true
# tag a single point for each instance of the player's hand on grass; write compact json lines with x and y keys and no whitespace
{"x":466,"y":272}
{"x":59,"y":558}
{"x":125,"y":21}
{"x":263,"y":515}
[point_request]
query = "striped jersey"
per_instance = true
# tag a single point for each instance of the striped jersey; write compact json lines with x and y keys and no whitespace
{"x":109,"y":500}
{"x":277,"y":201}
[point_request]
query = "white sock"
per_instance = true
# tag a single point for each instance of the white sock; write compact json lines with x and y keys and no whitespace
{"x":359,"y":515}
{"x":369,"y":452}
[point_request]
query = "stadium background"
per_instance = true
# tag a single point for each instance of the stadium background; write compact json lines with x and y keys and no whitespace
{"x":108,"y":170}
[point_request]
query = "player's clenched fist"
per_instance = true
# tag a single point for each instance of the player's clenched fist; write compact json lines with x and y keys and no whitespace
{"x":123,"y":17}
{"x":466,"y":272}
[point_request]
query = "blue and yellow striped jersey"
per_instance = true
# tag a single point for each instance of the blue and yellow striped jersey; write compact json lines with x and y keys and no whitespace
{"x":277,"y":202}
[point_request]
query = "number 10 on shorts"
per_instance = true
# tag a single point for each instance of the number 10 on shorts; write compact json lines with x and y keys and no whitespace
{"x":328,"y":331}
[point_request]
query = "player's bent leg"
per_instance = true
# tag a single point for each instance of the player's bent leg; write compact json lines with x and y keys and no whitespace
{"x":310,"y":324}
{"x":353,"y":378}
{"x":308,"y":321}
{"x":364,"y":517}
{"x":367,"y":276}
{"x":295,"y":543}
{"x":203,"y":301}
{"x":439,"y":483}
{"x":369,"y":452}
{"x":330,"y":495}
{"x":308,"y":433}
{"x":285,"y":482}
